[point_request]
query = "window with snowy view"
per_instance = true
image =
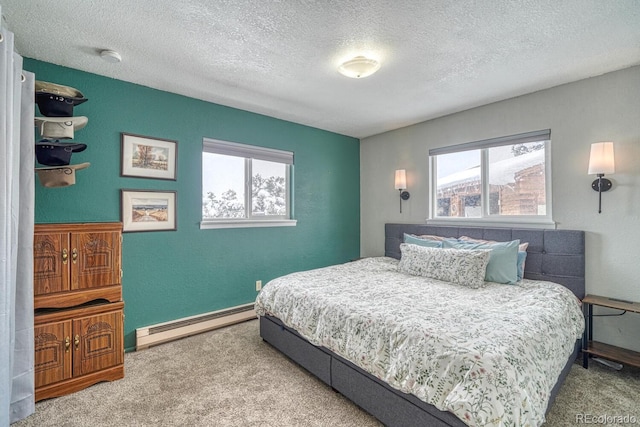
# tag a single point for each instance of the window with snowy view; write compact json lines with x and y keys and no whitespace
{"x":506,"y":176}
{"x":245,"y":184}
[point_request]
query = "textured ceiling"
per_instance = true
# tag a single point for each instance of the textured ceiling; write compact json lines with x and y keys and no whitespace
{"x":280,"y":58}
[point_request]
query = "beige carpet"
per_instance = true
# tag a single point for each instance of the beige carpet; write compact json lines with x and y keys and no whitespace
{"x":230,"y":377}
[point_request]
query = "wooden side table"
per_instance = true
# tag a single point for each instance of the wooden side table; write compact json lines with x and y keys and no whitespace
{"x":595,"y":348}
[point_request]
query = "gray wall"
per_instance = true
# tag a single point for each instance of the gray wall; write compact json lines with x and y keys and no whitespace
{"x":602,"y":108}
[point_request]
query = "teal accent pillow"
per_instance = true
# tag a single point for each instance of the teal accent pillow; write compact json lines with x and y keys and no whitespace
{"x":413,"y":240}
{"x":522,"y":256}
{"x":503,"y":259}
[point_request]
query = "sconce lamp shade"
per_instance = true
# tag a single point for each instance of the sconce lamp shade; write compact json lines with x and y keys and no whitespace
{"x":601,"y":160}
{"x":401,"y":184}
{"x":401,"y":179}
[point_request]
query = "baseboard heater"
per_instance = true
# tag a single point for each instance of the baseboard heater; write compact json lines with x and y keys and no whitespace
{"x":187,"y":326}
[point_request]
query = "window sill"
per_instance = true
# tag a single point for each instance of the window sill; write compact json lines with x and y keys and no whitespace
{"x":543,"y":223}
{"x":248,"y":223}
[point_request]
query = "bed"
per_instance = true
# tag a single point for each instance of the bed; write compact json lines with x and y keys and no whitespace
{"x":394,"y":382}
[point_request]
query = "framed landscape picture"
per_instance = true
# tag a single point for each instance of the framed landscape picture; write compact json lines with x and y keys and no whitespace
{"x":146,"y":157}
{"x":148,"y":210}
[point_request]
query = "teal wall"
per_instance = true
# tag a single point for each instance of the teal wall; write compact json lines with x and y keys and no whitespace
{"x":173,"y":274}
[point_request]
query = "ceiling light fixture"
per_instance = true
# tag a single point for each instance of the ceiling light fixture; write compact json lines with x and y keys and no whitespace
{"x":359,"y":67}
{"x":110,"y":56}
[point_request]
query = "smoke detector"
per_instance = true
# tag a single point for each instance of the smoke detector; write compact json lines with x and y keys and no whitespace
{"x":110,"y":56}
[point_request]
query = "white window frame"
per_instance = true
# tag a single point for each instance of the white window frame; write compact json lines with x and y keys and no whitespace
{"x":249,"y":153}
{"x":527,"y":221}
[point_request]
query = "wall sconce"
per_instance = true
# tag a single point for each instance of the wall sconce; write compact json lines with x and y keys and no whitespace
{"x":601,"y":161}
{"x":401,"y":184}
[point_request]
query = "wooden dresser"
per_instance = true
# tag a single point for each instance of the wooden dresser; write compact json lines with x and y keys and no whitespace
{"x":79,"y":312}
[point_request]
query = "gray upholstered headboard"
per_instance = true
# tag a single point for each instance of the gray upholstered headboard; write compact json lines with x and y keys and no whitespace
{"x":553,"y":255}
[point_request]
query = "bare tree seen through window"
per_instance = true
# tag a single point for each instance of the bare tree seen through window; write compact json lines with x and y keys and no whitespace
{"x":268,"y":197}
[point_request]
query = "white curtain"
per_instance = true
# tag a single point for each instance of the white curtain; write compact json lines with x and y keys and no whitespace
{"x":16,"y":233}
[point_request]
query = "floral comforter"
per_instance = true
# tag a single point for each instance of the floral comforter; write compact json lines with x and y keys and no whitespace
{"x":490,"y":356}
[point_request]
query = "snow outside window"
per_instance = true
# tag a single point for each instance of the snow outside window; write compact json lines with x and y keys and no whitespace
{"x":245,"y":186}
{"x":502,"y":180}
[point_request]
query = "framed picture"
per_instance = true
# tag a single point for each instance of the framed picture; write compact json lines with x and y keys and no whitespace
{"x":148,"y":210}
{"x":145,"y":157}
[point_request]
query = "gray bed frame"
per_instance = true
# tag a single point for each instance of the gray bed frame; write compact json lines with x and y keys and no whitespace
{"x":553,"y":255}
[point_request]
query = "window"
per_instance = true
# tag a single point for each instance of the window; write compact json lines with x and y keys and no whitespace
{"x":503,"y":179}
{"x":245,"y":185}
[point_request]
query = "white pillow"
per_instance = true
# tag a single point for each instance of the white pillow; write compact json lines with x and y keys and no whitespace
{"x":461,"y":266}
{"x":503,"y":259}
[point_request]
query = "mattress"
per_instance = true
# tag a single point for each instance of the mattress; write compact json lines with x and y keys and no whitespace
{"x":490,"y":356}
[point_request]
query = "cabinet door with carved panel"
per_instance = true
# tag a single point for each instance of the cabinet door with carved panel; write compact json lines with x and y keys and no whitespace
{"x":97,"y":342}
{"x":52,"y":353}
{"x":50,"y":263}
{"x":95,"y":259}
